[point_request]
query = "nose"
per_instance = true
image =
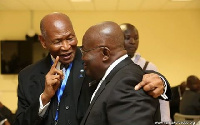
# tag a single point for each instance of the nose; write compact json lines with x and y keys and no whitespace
{"x":132,"y":41}
{"x":65,"y":45}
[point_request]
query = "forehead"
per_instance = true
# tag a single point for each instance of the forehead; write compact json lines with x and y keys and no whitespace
{"x":90,"y":37}
{"x":59,"y":24}
{"x":59,"y":28}
{"x":131,"y":31}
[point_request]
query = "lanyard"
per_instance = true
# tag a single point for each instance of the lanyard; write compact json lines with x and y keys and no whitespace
{"x":60,"y":90}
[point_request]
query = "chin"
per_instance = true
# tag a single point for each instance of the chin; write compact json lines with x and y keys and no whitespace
{"x":88,"y":73}
{"x":66,"y":61}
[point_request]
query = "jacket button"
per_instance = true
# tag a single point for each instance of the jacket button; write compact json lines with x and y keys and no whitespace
{"x":67,"y":107}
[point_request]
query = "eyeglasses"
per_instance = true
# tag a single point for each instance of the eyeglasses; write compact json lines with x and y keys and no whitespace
{"x":86,"y":51}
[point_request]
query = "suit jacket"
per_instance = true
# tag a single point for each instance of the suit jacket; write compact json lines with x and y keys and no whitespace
{"x":175,"y":102}
{"x":6,"y":112}
{"x":190,"y":104}
{"x":117,"y":103}
{"x":74,"y":101}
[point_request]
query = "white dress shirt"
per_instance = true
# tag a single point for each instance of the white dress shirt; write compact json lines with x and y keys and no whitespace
{"x":107,"y":72}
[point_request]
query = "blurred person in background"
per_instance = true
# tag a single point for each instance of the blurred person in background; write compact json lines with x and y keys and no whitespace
{"x":131,"y":36}
{"x":190,"y":103}
{"x":177,"y":95}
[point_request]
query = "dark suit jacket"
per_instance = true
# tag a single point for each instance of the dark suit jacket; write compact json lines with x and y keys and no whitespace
{"x":116,"y":102}
{"x":74,"y":101}
{"x":190,"y":104}
{"x":6,"y":112}
{"x":174,"y":102}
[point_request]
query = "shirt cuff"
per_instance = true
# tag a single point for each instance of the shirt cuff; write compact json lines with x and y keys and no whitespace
{"x":164,"y":96}
{"x":3,"y":121}
{"x":42,"y":108}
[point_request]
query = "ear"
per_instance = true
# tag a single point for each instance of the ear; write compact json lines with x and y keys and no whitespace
{"x":42,"y":41}
{"x":106,"y":53}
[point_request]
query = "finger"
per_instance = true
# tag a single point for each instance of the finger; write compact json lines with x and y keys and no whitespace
{"x":149,"y":87}
{"x":140,"y":85}
{"x":50,"y":79}
{"x":53,"y":67}
{"x":155,"y":93}
{"x":56,"y":84}
{"x":56,"y":77}
{"x":59,"y":73}
{"x":146,"y":76}
{"x":55,"y":62}
{"x":55,"y":81}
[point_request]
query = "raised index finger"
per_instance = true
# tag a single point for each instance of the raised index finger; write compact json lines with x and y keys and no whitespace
{"x":53,"y":67}
{"x":55,"y":62}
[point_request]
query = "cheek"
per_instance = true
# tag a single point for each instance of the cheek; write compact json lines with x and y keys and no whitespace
{"x":126,"y":45}
{"x":136,"y":44}
{"x":89,"y":60}
{"x":54,"y":51}
{"x":91,"y":64}
{"x":74,"y":42}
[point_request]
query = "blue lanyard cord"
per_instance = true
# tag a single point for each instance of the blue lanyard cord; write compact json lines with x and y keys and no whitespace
{"x":62,"y":87}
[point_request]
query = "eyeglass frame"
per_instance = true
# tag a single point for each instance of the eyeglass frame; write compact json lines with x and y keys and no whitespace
{"x":86,"y":51}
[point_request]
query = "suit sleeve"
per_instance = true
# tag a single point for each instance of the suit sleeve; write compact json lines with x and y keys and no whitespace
{"x":128,"y":107}
{"x":167,"y":88}
{"x":27,"y":112}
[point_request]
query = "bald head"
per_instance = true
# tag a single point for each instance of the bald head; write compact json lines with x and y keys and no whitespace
{"x":107,"y":33}
{"x":58,"y":37}
{"x":55,"y":19}
{"x":102,"y":43}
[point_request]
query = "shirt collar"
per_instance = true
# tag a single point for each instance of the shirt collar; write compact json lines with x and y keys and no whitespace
{"x":113,"y":65}
{"x":53,"y":60}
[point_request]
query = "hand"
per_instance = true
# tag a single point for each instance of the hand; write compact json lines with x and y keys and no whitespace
{"x":6,"y":122}
{"x":152,"y":84}
{"x":52,"y":82}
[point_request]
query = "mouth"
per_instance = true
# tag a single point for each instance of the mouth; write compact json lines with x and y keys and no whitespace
{"x":132,"y":47}
{"x":66,"y":56}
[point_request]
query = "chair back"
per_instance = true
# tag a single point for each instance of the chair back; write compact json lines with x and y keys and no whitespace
{"x":181,"y":119}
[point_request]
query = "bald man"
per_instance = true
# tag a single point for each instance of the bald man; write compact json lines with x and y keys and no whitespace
{"x":55,"y":90}
{"x":114,"y":102}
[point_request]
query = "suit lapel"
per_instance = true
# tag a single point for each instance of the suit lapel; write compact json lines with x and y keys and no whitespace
{"x":78,"y":75}
{"x":38,"y":78}
{"x":104,"y":83}
{"x":98,"y":93}
{"x":44,"y":69}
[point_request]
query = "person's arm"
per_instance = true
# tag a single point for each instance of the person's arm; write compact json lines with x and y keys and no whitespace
{"x":3,"y":120}
{"x":127,"y":106}
{"x":155,"y":84}
{"x":43,"y":108}
{"x":6,"y":122}
{"x":5,"y":111}
{"x":27,"y":113}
